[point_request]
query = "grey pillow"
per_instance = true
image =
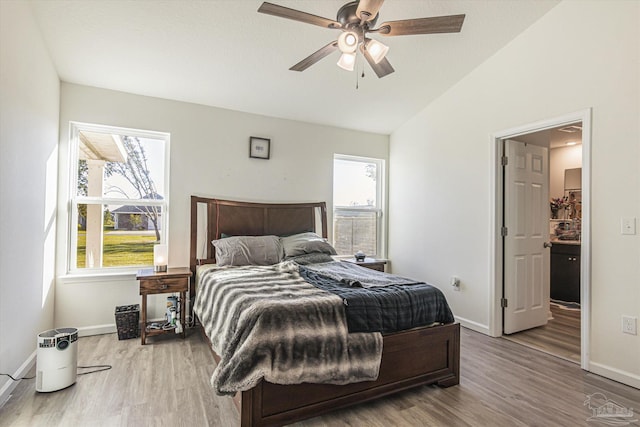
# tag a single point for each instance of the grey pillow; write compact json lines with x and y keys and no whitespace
{"x":306,"y":243}
{"x":248,"y":250}
{"x":314,"y":258}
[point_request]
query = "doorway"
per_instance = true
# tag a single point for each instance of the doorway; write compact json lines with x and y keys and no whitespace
{"x":580,"y":319}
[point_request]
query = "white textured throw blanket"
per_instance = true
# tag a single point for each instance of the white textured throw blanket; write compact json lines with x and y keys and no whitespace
{"x":267,"y":322}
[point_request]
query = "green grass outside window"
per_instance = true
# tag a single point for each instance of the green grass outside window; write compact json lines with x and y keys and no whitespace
{"x":120,"y":250}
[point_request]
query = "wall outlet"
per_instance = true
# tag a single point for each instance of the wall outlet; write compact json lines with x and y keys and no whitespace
{"x":628,"y":225}
{"x":455,"y":282}
{"x":630,"y":325}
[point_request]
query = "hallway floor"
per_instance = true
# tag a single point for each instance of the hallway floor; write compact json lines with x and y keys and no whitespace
{"x":559,"y":337}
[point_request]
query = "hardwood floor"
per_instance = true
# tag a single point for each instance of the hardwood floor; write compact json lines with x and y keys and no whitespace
{"x":560,"y":337}
{"x":166,"y":383}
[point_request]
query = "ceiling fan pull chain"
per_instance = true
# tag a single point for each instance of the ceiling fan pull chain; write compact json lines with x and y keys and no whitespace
{"x":357,"y":77}
{"x":364,"y":47}
{"x":356,"y":72}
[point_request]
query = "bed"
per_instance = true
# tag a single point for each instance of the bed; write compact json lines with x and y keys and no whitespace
{"x":409,"y":358}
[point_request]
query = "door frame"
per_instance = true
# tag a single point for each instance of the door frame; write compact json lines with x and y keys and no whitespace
{"x":496,"y":260}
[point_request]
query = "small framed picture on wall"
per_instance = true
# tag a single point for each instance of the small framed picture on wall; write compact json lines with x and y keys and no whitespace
{"x":259,"y":148}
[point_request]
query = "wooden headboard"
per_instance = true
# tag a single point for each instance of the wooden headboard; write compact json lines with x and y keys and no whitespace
{"x":210,"y":218}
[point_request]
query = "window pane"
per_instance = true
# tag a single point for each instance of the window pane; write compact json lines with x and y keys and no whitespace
{"x":356,"y":219}
{"x":120,"y":166}
{"x":119,"y":198}
{"x":354,"y":183}
{"x":355,"y":231}
{"x":116,"y":236}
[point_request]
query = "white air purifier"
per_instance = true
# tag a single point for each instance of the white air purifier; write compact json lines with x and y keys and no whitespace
{"x":57,"y":359}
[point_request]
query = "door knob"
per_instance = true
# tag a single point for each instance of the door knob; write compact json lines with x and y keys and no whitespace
{"x":547,"y":244}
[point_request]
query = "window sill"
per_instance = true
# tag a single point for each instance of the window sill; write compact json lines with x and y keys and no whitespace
{"x":99,"y":276}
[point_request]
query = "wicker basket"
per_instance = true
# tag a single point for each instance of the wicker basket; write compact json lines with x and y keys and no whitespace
{"x":128,"y":321}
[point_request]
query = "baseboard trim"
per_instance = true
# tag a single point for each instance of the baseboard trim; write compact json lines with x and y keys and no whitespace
{"x":109,"y":328}
{"x":474,"y":326}
{"x":621,"y":376}
{"x":87,"y":331}
{"x":10,"y":385}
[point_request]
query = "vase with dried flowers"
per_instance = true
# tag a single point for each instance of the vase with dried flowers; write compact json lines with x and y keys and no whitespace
{"x":556,"y":204}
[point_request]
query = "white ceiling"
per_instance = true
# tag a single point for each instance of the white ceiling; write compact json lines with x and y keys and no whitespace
{"x":554,"y":138}
{"x":223,"y":53}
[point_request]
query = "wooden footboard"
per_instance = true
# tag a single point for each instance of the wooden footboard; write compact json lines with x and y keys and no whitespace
{"x":409,"y":359}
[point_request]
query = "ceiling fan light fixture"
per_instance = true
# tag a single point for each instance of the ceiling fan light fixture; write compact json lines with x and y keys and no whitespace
{"x":355,"y":20}
{"x":348,"y":42}
{"x":376,"y":49}
{"x":347,"y":61}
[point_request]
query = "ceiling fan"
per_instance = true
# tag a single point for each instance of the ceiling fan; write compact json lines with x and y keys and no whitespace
{"x":357,"y":20}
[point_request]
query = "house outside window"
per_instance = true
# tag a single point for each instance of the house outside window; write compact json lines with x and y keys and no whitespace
{"x":119,"y":197}
{"x":358,"y":205}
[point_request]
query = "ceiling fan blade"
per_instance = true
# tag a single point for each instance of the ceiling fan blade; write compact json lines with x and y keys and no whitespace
{"x":436,"y":24}
{"x":315,"y":57}
{"x":382,"y":68}
{"x":296,"y":15}
{"x":371,"y":7}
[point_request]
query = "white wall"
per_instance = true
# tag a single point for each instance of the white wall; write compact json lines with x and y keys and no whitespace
{"x":28,"y":171}
{"x":579,"y":55}
{"x":209,"y":157}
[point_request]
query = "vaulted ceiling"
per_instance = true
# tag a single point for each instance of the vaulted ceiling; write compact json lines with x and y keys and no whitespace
{"x":223,"y":53}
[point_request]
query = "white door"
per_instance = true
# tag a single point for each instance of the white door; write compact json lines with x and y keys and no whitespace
{"x":526,"y":252}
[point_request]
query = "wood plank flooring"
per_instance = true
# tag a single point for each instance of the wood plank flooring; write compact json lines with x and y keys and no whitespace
{"x":560,"y":337}
{"x":166,"y":383}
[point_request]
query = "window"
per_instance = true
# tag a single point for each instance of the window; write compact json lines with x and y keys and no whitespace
{"x":119,"y":201}
{"x":358,"y":184}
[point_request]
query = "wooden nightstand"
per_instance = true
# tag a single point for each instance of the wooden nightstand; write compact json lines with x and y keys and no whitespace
{"x":372,"y":263}
{"x":151,"y":282}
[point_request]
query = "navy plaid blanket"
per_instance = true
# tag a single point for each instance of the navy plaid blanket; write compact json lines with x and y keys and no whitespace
{"x":377,"y":304}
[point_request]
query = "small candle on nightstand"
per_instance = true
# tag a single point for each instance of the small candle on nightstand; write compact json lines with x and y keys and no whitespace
{"x":160,"y":257}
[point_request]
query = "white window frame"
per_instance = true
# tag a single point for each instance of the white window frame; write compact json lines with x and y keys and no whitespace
{"x":379,"y":209}
{"x":74,"y":199}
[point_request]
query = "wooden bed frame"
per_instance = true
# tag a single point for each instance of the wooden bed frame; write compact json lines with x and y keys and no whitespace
{"x":410,"y":358}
